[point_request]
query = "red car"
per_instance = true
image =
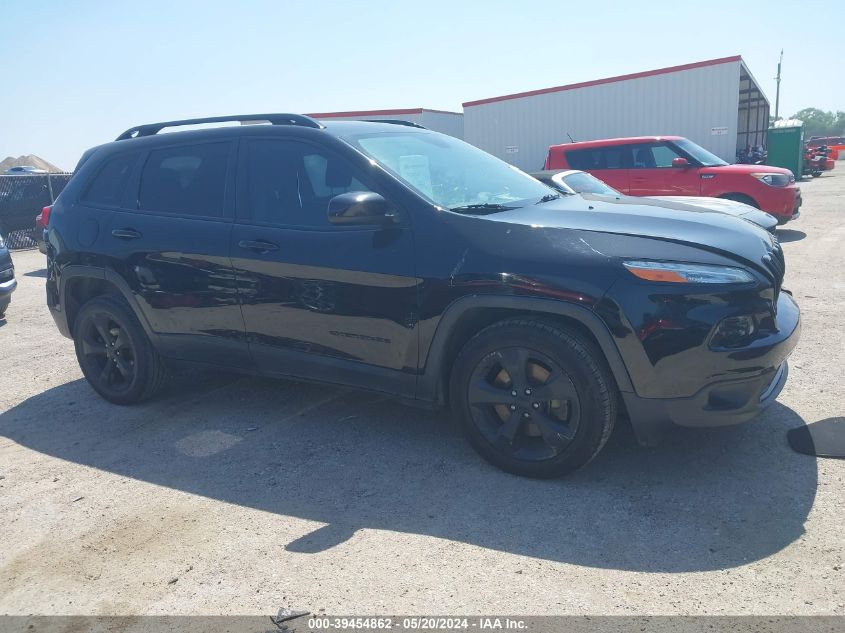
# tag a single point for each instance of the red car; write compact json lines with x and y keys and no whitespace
{"x":675,"y":166}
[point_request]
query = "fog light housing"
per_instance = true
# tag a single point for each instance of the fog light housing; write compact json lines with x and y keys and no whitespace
{"x":734,"y":331}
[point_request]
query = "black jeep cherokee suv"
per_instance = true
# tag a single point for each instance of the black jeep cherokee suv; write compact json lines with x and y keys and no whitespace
{"x":393,"y":258}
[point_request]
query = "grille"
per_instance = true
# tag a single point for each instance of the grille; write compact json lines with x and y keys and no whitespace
{"x":776,"y":266}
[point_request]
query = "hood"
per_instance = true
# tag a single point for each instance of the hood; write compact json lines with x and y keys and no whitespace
{"x":731,"y":207}
{"x":744,"y":169}
{"x":689,"y":225}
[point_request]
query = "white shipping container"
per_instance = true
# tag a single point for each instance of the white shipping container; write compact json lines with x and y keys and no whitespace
{"x":715,"y":103}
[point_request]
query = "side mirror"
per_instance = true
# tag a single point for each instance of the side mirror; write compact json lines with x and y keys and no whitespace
{"x":680,"y":162}
{"x":360,"y":207}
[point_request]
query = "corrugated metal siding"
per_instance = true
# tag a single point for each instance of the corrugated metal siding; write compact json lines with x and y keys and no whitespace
{"x":451,"y":123}
{"x":686,"y":103}
{"x":413,"y":118}
{"x":445,"y":122}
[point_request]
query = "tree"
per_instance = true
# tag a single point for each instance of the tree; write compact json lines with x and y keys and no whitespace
{"x":821,"y":123}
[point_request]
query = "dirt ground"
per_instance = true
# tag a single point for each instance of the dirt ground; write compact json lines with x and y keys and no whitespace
{"x":238,"y":495}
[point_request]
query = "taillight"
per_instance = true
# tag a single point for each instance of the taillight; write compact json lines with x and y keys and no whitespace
{"x":44,"y":219}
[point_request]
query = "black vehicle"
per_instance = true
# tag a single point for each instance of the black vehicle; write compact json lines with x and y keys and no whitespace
{"x":8,"y":283}
{"x":396,"y":259}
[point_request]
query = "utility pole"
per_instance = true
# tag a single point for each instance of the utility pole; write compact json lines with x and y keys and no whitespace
{"x":777,"y":92}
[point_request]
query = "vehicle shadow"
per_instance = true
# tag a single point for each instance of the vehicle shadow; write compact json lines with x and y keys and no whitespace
{"x":37,"y":273}
{"x":702,"y":500}
{"x":790,"y":235}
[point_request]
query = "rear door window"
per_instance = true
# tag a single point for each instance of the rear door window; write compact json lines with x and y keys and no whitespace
{"x":597,"y":158}
{"x":189,"y":180}
{"x":106,"y":188}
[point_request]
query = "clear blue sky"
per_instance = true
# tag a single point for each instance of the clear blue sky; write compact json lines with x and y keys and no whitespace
{"x":76,"y":74}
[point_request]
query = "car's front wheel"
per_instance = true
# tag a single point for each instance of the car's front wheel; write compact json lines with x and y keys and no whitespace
{"x":114,"y":352}
{"x":533,"y":398}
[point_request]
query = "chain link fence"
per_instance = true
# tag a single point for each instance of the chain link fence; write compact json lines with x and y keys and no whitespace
{"x":21,"y":198}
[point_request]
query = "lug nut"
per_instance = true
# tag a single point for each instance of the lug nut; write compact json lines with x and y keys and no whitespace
{"x":514,"y":394}
{"x":526,"y":415}
{"x":513,"y":407}
{"x":527,"y":392}
{"x":536,"y":405}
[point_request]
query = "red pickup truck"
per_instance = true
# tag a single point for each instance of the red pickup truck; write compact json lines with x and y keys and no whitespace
{"x":673,"y":166}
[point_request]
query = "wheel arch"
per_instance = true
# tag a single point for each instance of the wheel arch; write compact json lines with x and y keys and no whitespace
{"x":467,"y":316}
{"x":80,"y":284}
{"x":740,"y":197}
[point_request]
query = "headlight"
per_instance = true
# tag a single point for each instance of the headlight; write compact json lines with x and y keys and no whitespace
{"x":674,"y":272}
{"x":773,"y":180}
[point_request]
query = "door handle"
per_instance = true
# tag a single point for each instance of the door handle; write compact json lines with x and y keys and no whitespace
{"x":258,"y":246}
{"x":126,"y":234}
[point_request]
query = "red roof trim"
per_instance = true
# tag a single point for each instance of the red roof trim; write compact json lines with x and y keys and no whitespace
{"x":598,"y":82}
{"x":333,"y":115}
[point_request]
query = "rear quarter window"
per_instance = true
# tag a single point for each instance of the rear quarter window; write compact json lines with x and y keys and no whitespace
{"x":189,"y":179}
{"x":108,"y":184}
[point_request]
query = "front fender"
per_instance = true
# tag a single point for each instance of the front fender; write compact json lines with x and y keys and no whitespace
{"x":430,"y":384}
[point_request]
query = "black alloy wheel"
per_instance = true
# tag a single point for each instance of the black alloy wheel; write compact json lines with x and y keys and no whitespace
{"x":533,"y":397}
{"x":108,"y":353}
{"x":524,"y":403}
{"x":114,"y":352}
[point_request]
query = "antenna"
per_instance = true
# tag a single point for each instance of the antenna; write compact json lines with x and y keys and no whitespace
{"x":571,"y":140}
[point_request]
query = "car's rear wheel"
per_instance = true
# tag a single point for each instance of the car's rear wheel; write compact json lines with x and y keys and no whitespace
{"x":533,"y":398}
{"x":114,"y":352}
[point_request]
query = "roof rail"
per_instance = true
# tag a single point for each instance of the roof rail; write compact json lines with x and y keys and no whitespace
{"x":398,"y":122}
{"x":150,"y":129}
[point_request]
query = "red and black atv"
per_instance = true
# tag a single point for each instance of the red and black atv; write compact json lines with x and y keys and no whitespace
{"x":817,"y":160}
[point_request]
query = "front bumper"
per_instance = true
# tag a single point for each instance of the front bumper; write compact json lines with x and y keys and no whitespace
{"x":727,"y":401}
{"x":784,"y":204}
{"x":796,"y":210}
{"x":6,"y":290}
{"x":8,"y":283}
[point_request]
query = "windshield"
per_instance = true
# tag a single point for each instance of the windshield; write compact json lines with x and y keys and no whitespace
{"x":449,"y":172}
{"x":699,"y":153}
{"x":582,"y":182}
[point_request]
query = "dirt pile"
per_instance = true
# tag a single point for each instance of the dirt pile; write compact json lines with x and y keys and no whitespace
{"x":29,"y":160}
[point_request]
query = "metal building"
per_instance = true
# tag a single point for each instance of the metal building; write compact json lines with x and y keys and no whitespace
{"x":715,"y":103}
{"x":451,"y":123}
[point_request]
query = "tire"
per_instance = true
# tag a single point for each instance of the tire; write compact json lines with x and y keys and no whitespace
{"x":741,"y":197}
{"x":516,"y":423}
{"x":114,"y":353}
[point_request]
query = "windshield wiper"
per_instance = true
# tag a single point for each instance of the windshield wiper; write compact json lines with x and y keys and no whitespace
{"x":483,"y":206}
{"x":548,"y":198}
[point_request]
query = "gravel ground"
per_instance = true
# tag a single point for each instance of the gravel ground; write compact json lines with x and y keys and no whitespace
{"x":238,"y":495}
